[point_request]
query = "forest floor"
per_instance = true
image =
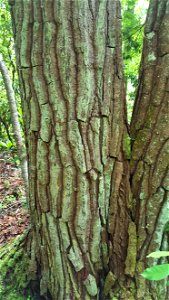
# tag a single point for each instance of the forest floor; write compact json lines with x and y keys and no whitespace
{"x":14,"y":216}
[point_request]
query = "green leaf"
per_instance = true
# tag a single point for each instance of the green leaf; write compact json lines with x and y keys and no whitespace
{"x":157,"y":272}
{"x":158,"y":254}
{"x":3,"y":145}
{"x":9,"y":144}
{"x":166,"y":229}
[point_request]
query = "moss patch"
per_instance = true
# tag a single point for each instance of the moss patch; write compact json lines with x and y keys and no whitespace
{"x":14,"y":264}
{"x":127,"y":146}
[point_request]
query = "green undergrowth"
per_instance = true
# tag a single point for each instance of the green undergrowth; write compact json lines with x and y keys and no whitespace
{"x":14,"y":264}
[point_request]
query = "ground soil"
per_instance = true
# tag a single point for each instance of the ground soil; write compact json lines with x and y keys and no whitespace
{"x":14,"y":216}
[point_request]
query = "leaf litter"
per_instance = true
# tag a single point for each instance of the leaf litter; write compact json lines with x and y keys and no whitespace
{"x":14,"y":216}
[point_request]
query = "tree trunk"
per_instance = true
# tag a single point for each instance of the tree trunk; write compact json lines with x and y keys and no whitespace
{"x":150,"y":149}
{"x":89,"y":239}
{"x":70,"y":66}
{"x":15,"y":121}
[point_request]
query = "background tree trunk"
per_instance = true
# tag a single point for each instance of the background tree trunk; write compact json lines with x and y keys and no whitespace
{"x":150,"y":150}
{"x":70,"y":65}
{"x":15,"y":121}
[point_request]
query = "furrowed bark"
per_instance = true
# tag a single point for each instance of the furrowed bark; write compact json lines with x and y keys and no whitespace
{"x":70,"y":66}
{"x":150,"y":149}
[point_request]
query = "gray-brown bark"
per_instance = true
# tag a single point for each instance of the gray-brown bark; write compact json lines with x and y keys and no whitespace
{"x":15,"y":121}
{"x":150,"y":150}
{"x":69,"y":57}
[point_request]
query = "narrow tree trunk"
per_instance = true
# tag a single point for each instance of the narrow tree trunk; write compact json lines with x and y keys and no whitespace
{"x":69,"y":58}
{"x":150,"y":150}
{"x":15,"y":121}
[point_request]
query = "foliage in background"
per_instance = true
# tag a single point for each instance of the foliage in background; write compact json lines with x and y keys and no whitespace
{"x":7,"y":50}
{"x":133,"y":18}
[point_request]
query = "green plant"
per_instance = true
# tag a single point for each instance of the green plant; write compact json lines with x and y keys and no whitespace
{"x":7,"y":50}
{"x":6,"y":146}
{"x":157,"y":272}
{"x":10,"y":198}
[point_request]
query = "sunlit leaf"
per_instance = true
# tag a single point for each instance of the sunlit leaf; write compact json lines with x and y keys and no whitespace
{"x":157,"y":272}
{"x":2,"y":144}
{"x":158,"y":254}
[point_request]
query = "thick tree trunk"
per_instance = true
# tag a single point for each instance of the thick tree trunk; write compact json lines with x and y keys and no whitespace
{"x":69,"y":57}
{"x":150,"y":150}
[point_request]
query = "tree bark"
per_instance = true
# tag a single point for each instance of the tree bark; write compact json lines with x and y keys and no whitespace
{"x":70,"y":66}
{"x":15,"y":121}
{"x":150,"y":149}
